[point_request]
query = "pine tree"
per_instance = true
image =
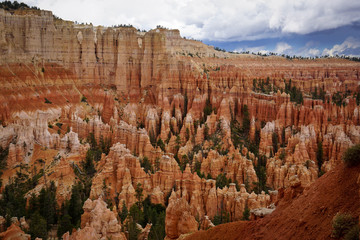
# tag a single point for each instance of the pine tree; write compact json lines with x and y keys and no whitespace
{"x":319,"y":155}
{"x":246,"y":213}
{"x":139,"y":194}
{"x":88,"y":166}
{"x":185,"y":105}
{"x":206,"y":132}
{"x":275,"y":142}
{"x":38,"y":226}
{"x":75,"y":205}
{"x":64,"y":225}
{"x":246,"y":120}
{"x":124,"y":212}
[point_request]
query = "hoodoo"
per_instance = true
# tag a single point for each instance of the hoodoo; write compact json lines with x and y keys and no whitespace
{"x":115,"y":133}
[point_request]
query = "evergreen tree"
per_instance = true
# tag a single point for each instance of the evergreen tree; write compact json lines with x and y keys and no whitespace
{"x":38,"y":226}
{"x":139,"y":194}
{"x":260,"y":170}
{"x":187,"y":134}
{"x":48,"y":205}
{"x":222,"y":181}
{"x":33,"y":205}
{"x":92,"y":141}
{"x":152,"y":137}
{"x":222,"y":216}
{"x":105,"y":145}
{"x":178,"y":142}
{"x":283,"y":137}
{"x":13,"y":203}
{"x":246,"y":213}
{"x":75,"y":205}
{"x":246,"y":120}
{"x":161,"y":144}
{"x":185,"y":105}
{"x":315,"y":94}
{"x":107,"y":197}
{"x":155,"y":214}
{"x":275,"y":142}
{"x":124,"y":212}
{"x":146,"y":164}
{"x":133,"y":230}
{"x":65,"y":225}
{"x":136,"y":216}
{"x":206,"y":132}
{"x":88,"y":165}
{"x":319,"y":155}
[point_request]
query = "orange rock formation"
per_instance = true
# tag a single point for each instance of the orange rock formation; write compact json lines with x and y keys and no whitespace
{"x":60,"y":81}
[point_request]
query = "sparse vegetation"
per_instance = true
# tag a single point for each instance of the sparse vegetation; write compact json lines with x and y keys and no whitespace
{"x":9,"y":5}
{"x":48,"y":101}
{"x":339,"y":98}
{"x":146,"y":164}
{"x":144,"y":212}
{"x":3,"y":156}
{"x":320,"y":155}
{"x":275,"y":142}
{"x":208,"y":109}
{"x":222,"y":216}
{"x":318,"y":94}
{"x":351,"y":156}
{"x":262,"y":86}
{"x":13,"y":203}
{"x":295,"y":93}
{"x":246,"y":213}
{"x":345,"y":226}
{"x":260,"y":169}
{"x":161,"y":144}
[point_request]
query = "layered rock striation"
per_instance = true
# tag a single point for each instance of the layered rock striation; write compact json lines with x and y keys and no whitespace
{"x":192,"y":112}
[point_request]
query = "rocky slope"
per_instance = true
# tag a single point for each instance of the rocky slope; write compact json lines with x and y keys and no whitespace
{"x":176,"y":103}
{"x":305,"y":216}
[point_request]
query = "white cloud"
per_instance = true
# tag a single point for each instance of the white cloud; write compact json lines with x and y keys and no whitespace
{"x":258,"y":49}
{"x":225,"y":20}
{"x":314,"y":52}
{"x":350,"y":43}
{"x":282,"y":47}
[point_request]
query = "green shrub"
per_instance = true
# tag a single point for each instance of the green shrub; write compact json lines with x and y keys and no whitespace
{"x":351,"y":156}
{"x":353,"y":234}
{"x":146,"y":164}
{"x":223,"y":217}
{"x":246,"y":214}
{"x":342,"y":223}
{"x":161,"y":144}
{"x":48,"y":101}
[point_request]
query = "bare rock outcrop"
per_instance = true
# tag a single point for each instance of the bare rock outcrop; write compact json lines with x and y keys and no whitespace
{"x":178,"y":218}
{"x":144,"y":232}
{"x":97,"y":222}
{"x":14,"y":232}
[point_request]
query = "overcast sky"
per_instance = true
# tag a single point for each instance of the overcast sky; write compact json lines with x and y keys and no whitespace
{"x":303,"y":27}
